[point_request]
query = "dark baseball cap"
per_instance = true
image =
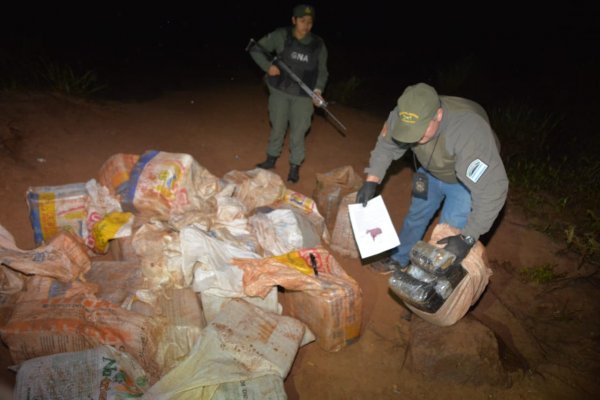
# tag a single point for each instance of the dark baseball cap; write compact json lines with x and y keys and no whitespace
{"x":416,"y":108}
{"x":302,"y":10}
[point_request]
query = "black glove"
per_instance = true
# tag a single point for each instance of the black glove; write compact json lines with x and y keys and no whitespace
{"x":457,"y":245}
{"x":366,"y":192}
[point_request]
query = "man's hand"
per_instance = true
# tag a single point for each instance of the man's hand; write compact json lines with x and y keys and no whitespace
{"x":318,"y":98}
{"x":458,"y":246}
{"x":273,"y":70}
{"x":366,"y":192}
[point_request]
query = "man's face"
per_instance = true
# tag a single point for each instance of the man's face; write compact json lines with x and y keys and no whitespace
{"x":302,"y":26}
{"x":432,"y":128}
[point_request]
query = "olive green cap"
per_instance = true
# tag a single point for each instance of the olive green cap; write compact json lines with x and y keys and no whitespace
{"x":416,"y":108}
{"x":302,"y":10}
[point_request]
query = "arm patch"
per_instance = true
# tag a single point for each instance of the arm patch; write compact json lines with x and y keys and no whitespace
{"x":476,"y":169}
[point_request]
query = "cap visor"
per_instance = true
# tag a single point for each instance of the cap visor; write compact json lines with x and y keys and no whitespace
{"x":406,"y":133}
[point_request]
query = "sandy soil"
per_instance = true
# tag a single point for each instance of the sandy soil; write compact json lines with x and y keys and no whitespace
{"x":548,"y":335}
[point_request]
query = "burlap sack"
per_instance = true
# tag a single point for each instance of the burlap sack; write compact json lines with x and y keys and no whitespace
{"x":342,"y":237}
{"x":331,"y":187}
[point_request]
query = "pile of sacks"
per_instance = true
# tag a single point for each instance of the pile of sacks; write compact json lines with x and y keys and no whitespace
{"x":159,"y":279}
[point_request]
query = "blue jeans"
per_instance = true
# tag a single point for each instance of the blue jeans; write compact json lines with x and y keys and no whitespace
{"x":455,"y":211}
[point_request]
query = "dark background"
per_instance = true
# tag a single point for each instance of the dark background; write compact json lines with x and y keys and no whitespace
{"x":499,"y":53}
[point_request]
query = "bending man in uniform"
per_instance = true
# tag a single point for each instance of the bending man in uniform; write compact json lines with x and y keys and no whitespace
{"x":460,"y":165}
{"x":306,"y":55}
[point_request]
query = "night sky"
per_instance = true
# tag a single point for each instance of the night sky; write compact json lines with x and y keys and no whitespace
{"x":136,"y":48}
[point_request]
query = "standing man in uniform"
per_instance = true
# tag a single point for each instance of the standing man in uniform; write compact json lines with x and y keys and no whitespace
{"x":306,"y":55}
{"x":460,"y":165}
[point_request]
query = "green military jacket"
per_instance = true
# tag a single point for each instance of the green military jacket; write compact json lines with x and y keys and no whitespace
{"x":464,"y":149}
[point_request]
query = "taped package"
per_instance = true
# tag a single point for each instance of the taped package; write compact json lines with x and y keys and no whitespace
{"x":469,"y":289}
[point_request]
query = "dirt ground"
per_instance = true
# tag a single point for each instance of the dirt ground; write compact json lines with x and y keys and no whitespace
{"x":548,"y":335}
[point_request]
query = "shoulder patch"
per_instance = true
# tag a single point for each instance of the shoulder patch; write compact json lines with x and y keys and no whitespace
{"x":476,"y":169}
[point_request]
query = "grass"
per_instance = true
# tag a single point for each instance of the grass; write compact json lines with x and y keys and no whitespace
{"x":63,"y":79}
{"x":44,"y":75}
{"x":559,"y":192}
{"x":585,"y":242}
{"x":540,"y":274}
{"x":526,"y":133}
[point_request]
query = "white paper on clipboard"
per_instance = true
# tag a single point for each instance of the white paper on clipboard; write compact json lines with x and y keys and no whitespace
{"x":372,"y":226}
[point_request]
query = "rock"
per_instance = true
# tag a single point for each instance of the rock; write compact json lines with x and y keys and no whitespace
{"x":464,"y":353}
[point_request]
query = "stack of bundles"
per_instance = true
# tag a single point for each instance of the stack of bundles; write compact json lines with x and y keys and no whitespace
{"x":441,"y":291}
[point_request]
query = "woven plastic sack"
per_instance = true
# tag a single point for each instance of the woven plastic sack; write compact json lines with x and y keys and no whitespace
{"x":342,"y":238}
{"x":331,"y":187}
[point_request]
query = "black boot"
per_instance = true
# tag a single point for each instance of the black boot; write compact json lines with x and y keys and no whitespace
{"x":294,"y":175}
{"x":269,"y":163}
